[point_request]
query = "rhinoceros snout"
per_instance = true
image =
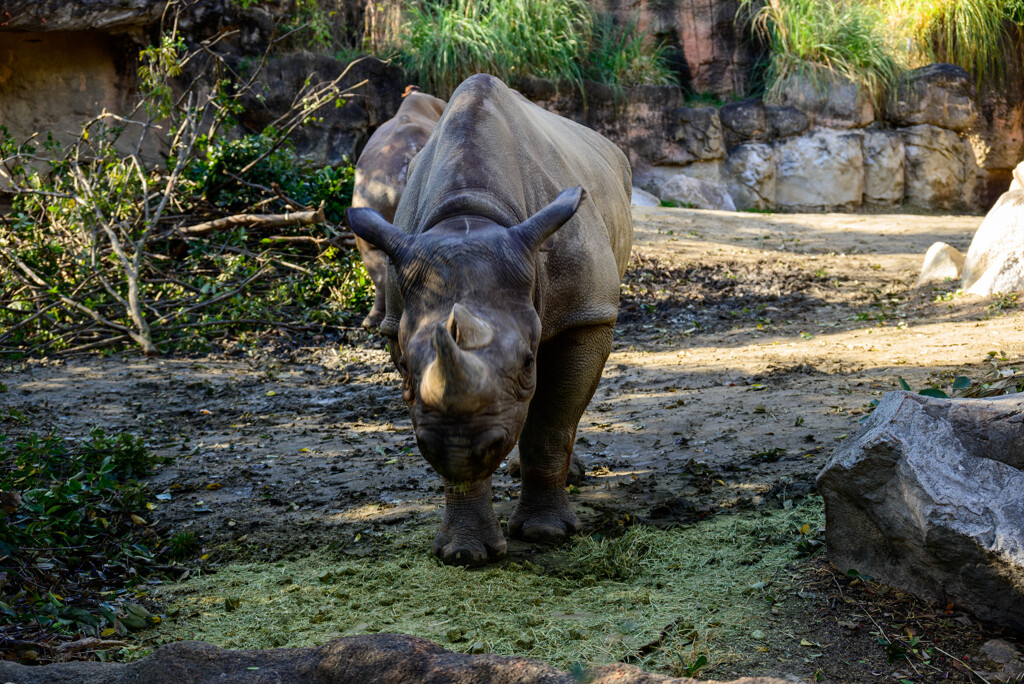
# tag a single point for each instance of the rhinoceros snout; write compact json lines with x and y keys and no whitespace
{"x":464,"y":458}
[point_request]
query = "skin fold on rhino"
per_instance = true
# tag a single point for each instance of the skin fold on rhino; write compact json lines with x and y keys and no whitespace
{"x":502,"y":296}
{"x":381,"y":174}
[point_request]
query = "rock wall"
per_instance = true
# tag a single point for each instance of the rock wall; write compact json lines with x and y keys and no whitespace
{"x":933,"y":148}
{"x":54,"y":81}
{"x":710,"y":51}
{"x":62,"y":63}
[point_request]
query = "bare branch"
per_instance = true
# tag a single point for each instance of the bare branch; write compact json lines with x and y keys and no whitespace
{"x":259,"y":221}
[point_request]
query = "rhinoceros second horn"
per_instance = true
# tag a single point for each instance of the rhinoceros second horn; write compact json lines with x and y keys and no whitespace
{"x":456,"y":380}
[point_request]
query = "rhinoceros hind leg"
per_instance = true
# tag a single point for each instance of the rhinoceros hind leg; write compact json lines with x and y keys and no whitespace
{"x":577,"y":474}
{"x":376,"y":263}
{"x":568,"y":369}
{"x":470,"y":533}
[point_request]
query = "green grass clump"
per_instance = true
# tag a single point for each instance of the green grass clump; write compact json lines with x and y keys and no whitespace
{"x":443,"y":42}
{"x":598,"y":600}
{"x":872,"y":43}
{"x":72,"y":526}
{"x":820,"y":39}
{"x":971,"y":33}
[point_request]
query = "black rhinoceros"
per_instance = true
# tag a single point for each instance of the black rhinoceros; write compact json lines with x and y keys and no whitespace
{"x":501,"y":301}
{"x":381,"y":174}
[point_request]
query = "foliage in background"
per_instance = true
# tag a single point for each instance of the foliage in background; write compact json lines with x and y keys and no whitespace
{"x":98,"y":243}
{"x":73,"y":533}
{"x":817,"y":39}
{"x":445,"y":41}
{"x":623,"y":56}
{"x":971,"y":33}
{"x":873,"y":42}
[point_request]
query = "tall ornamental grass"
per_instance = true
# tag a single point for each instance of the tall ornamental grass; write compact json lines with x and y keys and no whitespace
{"x":445,"y":41}
{"x":818,"y":39}
{"x":871,"y":42}
{"x":975,"y":34}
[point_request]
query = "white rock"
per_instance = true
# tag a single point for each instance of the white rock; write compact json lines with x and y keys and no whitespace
{"x":884,"y":168}
{"x":822,"y":170}
{"x":995,"y":259}
{"x":929,"y":497}
{"x":695,"y":193}
{"x":751,"y":175}
{"x":642,"y":198}
{"x":941,"y":262}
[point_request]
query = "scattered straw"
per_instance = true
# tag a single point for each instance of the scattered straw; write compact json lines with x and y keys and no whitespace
{"x":653,"y":597}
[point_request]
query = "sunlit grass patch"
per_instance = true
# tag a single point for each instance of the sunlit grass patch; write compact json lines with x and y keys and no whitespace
{"x":654,"y":597}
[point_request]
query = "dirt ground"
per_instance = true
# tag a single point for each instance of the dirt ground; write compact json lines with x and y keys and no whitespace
{"x":748,"y":347}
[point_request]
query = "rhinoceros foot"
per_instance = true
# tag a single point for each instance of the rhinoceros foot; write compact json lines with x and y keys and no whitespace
{"x":470,"y":533}
{"x":470,"y":545}
{"x":577,"y":474}
{"x":373,"y":319}
{"x":543,"y":516}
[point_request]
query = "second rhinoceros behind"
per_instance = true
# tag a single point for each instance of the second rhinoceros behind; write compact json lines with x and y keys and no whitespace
{"x":502,"y":298}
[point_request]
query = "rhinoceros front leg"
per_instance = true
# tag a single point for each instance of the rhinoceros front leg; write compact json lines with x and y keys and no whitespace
{"x":568,"y":369}
{"x":470,"y":533}
{"x":376,"y":263}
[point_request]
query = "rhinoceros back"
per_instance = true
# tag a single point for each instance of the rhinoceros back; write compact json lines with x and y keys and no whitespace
{"x":496,"y":154}
{"x":382,"y":169}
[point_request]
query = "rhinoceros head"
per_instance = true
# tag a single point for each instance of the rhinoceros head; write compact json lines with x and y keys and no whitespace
{"x":469,"y":330}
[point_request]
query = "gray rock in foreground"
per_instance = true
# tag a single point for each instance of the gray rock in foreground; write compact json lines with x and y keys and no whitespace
{"x":370,"y":659}
{"x":929,"y":497}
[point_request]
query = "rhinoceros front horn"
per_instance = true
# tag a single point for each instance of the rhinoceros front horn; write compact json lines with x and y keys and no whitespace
{"x":456,"y":380}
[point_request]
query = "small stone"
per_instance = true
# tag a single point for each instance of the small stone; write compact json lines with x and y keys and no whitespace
{"x":941,"y":262}
{"x":1000,"y":651}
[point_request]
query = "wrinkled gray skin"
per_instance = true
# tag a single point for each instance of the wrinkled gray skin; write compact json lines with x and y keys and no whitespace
{"x":501,"y":303}
{"x":381,"y":174}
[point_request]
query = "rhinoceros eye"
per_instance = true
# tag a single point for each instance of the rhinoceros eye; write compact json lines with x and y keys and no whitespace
{"x":526,"y":379}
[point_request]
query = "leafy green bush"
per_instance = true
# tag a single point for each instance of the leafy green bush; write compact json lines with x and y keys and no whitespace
{"x":446,"y":41}
{"x":72,"y":526}
{"x":99,"y":246}
{"x":217,"y":181}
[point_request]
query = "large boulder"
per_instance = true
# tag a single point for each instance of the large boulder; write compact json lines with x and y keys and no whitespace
{"x":698,"y":132}
{"x":642,"y":198}
{"x":940,"y":95}
{"x":820,"y":171}
{"x":835,"y":101}
{"x":786,"y":121}
{"x":745,"y":121}
{"x":751,"y":175}
{"x":884,"y":168}
{"x":941,"y":171}
{"x":995,"y":259}
{"x":928,"y":497}
{"x":997,"y":137}
{"x":370,"y":659}
{"x":691,"y":192}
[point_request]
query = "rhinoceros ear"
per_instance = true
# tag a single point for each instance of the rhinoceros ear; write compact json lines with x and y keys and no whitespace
{"x":371,"y":226}
{"x":535,"y":230}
